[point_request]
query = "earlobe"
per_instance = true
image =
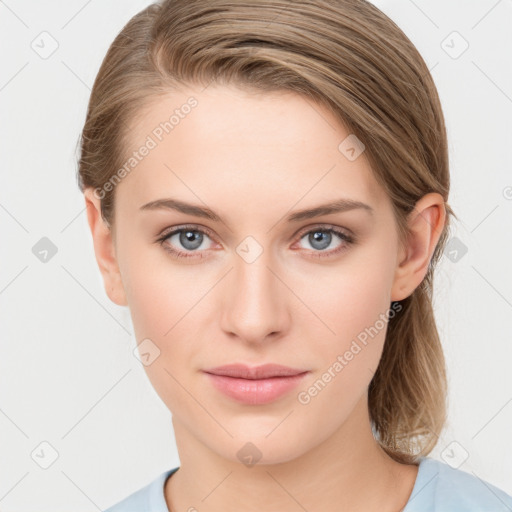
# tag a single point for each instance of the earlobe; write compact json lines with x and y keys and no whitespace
{"x":426,"y":223}
{"x":104,"y":249}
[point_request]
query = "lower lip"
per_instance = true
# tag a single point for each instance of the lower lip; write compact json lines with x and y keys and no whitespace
{"x":255,"y":391}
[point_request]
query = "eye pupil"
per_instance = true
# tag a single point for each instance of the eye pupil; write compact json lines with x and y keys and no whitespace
{"x":318,"y":236}
{"x":186,"y":237}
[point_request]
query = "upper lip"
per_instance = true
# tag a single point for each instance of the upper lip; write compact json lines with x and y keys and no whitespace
{"x":264,"y":371}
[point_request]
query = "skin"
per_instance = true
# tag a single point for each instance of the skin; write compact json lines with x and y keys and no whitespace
{"x":253,"y":159}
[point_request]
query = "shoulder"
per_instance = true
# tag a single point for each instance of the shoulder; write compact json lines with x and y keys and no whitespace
{"x":150,"y":497}
{"x":439,"y":487}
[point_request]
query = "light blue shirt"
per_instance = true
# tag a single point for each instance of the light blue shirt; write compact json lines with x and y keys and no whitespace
{"x":438,"y":488}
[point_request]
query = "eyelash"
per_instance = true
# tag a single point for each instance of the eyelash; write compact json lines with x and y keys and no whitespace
{"x":346,"y":239}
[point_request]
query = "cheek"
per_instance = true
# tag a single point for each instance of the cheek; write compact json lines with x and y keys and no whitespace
{"x":159,"y":293}
{"x":351,"y":296}
{"x":166,"y":303}
{"x":353,"y":305}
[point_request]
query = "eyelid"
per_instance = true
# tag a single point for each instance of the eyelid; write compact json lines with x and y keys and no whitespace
{"x":182,"y":227}
{"x":346,"y":235}
{"x":325,"y":226}
{"x":305,"y":229}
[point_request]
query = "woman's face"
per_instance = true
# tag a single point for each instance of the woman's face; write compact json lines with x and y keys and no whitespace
{"x":254,"y":282}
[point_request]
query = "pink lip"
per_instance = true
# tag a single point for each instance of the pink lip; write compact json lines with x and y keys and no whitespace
{"x":255,"y":385}
{"x":263,"y":371}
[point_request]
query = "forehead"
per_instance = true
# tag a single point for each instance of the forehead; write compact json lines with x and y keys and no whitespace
{"x":277,"y":145}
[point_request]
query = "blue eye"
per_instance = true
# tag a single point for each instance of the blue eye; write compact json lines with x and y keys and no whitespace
{"x":321,"y":239}
{"x":191,"y":239}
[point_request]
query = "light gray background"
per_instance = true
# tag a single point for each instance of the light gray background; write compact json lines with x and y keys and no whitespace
{"x":68,"y":376}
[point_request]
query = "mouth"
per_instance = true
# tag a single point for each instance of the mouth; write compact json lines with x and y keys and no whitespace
{"x":255,"y":385}
{"x":265,"y":371}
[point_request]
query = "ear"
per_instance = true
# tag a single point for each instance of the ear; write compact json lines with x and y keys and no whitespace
{"x":104,"y":249}
{"x":426,"y":223}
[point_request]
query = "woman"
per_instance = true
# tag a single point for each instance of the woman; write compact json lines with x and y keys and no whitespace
{"x":266,"y":185}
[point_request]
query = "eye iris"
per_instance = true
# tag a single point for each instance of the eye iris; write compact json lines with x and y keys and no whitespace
{"x":319,"y":235}
{"x":186,"y":237}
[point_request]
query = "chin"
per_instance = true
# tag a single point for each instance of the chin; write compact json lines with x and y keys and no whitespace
{"x":258,"y":449}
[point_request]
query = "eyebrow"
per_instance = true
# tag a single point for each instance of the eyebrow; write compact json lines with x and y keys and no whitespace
{"x":340,"y":205}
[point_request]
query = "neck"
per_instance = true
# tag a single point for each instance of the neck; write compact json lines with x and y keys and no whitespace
{"x":346,"y":471}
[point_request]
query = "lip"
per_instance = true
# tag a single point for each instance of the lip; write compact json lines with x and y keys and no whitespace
{"x":263,"y":371}
{"x":255,"y":385}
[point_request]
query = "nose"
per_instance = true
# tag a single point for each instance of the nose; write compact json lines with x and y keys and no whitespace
{"x":254,"y":305}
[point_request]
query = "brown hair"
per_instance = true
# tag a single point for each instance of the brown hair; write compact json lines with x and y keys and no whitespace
{"x":350,"y":57}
